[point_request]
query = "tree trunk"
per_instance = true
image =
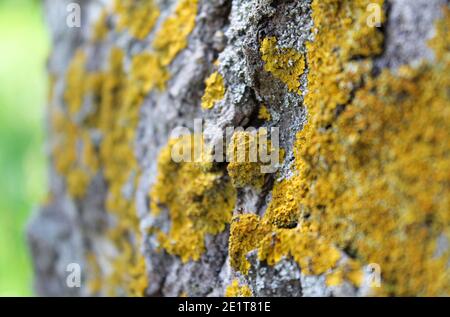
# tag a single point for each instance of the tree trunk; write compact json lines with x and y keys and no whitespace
{"x":352,"y":96}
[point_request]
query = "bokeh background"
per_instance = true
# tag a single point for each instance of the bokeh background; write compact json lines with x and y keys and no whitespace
{"x":24,"y":46}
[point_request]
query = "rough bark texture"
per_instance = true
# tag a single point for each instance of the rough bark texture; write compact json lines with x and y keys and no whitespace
{"x":363,"y":183}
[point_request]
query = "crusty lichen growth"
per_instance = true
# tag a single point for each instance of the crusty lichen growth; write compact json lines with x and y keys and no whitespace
{"x":150,"y":69}
{"x":120,"y":104}
{"x":111,"y":113}
{"x":236,"y":290}
{"x":286,"y":64}
{"x":200,"y":200}
{"x":114,"y":113}
{"x":246,"y":234}
{"x":75,"y":83}
{"x":264,"y":113}
{"x":73,"y":151}
{"x":148,"y":72}
{"x":138,"y":16}
{"x":249,"y":232}
{"x":172,"y":37}
{"x":244,"y":154}
{"x":349,"y":271}
{"x":214,"y":91}
{"x":100,"y":27}
{"x":371,"y":178}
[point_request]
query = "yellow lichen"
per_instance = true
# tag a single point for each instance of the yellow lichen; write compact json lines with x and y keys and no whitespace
{"x":100,"y":27}
{"x":114,"y":113}
{"x":284,"y":208}
{"x":264,"y":114}
{"x":72,"y":151}
{"x":350,"y":271}
{"x":244,"y":158}
{"x":75,"y":83}
{"x":119,"y":113}
{"x":311,"y":252}
{"x":200,"y":200}
{"x":138,"y":16}
{"x":94,"y":283}
{"x":117,"y":98}
{"x":148,"y":72}
{"x":214,"y":92}
{"x":371,"y":181}
{"x":236,"y":290}
{"x":286,"y":64}
{"x":246,"y":234}
{"x":171,"y":38}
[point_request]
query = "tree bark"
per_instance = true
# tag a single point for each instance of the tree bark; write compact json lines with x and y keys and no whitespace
{"x":363,"y":116}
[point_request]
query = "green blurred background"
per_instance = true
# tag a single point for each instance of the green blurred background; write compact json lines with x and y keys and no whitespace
{"x":23,"y":51}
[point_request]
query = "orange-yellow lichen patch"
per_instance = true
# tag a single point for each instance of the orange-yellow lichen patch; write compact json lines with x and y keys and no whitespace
{"x":244,"y":154}
{"x":249,"y":232}
{"x":115,"y":112}
{"x":373,"y":180}
{"x":73,"y":151}
{"x":172,"y":37}
{"x":148,"y":73}
{"x":119,"y":113}
{"x":138,"y":16}
{"x":264,"y":113}
{"x":285,"y":64}
{"x":75,"y":83}
{"x":100,"y":27}
{"x":284,"y":208}
{"x":150,"y":70}
{"x":236,"y":290}
{"x":200,"y":201}
{"x":72,"y":154}
{"x":441,"y":42}
{"x":117,"y":99}
{"x":214,"y":92}
{"x":351,"y":271}
{"x":246,"y":234}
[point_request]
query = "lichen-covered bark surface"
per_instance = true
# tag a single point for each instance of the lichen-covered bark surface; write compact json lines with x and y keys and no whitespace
{"x":363,"y":179}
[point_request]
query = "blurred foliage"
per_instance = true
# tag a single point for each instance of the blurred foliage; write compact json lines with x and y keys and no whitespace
{"x":23,"y":51}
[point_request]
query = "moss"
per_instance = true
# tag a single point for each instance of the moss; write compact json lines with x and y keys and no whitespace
{"x":286,"y":64}
{"x":236,"y":290}
{"x":138,"y":16}
{"x":214,"y":92}
{"x":200,"y":201}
